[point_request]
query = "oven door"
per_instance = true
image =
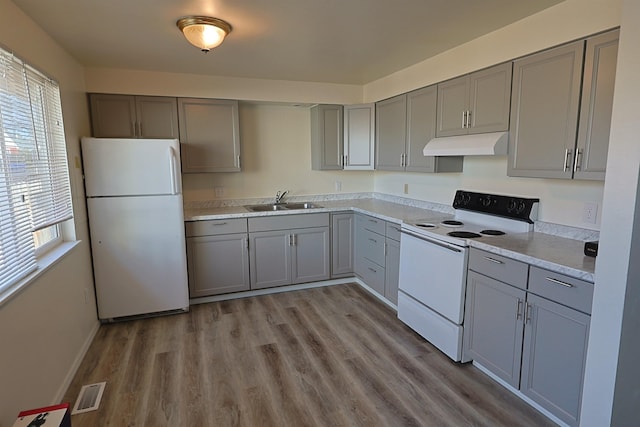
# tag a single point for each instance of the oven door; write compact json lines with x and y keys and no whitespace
{"x":434,"y":273}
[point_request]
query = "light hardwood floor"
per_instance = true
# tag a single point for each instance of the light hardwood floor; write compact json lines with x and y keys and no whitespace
{"x":332,"y":356}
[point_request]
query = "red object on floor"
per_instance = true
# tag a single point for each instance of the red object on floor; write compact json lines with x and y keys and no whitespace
{"x":49,"y":416}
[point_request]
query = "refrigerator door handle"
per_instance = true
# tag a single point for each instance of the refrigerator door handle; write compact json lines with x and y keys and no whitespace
{"x":172,"y":171}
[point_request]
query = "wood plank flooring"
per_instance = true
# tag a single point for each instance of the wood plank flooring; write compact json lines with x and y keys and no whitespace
{"x":332,"y":356}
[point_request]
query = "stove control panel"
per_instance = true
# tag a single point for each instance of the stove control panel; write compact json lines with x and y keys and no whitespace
{"x":513,"y":207}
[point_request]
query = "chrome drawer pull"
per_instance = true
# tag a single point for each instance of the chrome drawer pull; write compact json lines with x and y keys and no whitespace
{"x":373,"y":220}
{"x":495,"y":261}
{"x":519,"y":309}
{"x":558,"y":282}
{"x":527,"y":315}
{"x":373,"y":240}
{"x":217,"y":224}
{"x":372,"y":270}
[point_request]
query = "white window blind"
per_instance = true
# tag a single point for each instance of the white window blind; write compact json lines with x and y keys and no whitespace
{"x":34,"y":177}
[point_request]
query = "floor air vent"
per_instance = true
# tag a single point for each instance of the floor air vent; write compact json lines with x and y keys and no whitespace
{"x":89,"y":398}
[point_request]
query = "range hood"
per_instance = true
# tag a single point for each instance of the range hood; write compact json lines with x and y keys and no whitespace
{"x":482,"y":144}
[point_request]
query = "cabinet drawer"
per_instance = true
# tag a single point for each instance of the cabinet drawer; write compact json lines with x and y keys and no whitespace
{"x":372,"y":246}
{"x":393,"y":231}
{"x":288,"y":222}
{"x":216,"y":226}
{"x":565,"y":290}
{"x":501,"y":268}
{"x":372,"y":224}
{"x":373,"y":275}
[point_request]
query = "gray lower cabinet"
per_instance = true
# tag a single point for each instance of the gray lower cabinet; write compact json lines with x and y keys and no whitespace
{"x":342,"y":244}
{"x":209,"y":135}
{"x":288,"y":249}
{"x":217,"y":257}
{"x":377,"y":255}
{"x":493,"y":326}
{"x":554,"y":356}
{"x":133,"y":116}
{"x":529,"y":330}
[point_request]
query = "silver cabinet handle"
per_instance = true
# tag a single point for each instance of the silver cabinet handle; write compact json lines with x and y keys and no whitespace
{"x":558,"y":282}
{"x":218,"y":224}
{"x":464,"y":119}
{"x":238,"y":162}
{"x":577,"y":164}
{"x":373,"y":240}
{"x":567,"y":159}
{"x":371,"y":269}
{"x":519,"y":309}
{"x":344,"y":161}
{"x":468,"y":119}
{"x":495,"y":261}
{"x":373,"y":220}
{"x":528,"y":313}
{"x":140,"y":129}
{"x":290,"y":239}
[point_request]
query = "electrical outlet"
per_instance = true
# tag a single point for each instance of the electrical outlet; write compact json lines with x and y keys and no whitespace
{"x":219,"y":192}
{"x":338,"y":185}
{"x":406,"y":189}
{"x":590,"y":212}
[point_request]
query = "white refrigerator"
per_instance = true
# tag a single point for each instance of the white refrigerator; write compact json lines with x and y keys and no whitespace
{"x":134,"y":202}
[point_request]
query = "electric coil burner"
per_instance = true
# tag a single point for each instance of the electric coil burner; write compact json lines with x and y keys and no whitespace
{"x":492,"y":232}
{"x":464,"y":234}
{"x":452,"y":223}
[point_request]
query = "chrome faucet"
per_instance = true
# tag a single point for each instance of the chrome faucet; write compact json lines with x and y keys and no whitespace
{"x":280,"y":197}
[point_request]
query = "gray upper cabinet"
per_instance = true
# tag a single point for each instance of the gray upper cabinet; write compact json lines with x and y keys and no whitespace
{"x":129,"y":116}
{"x":359,"y":142}
{"x":391,"y":128}
{"x":342,"y":244}
{"x":554,"y":356}
{"x":326,"y":137}
{"x":209,"y":135}
{"x":404,"y":125}
{"x":475,"y":103}
{"x":596,"y":106}
{"x":544,"y":112}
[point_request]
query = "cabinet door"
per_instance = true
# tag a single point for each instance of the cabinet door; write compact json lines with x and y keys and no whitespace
{"x":490,"y":99}
{"x":157,"y":117}
{"x":209,"y":135}
{"x":342,"y":247}
{"x":358,"y":136}
{"x":391,"y":128}
{"x":270,"y":258}
{"x":554,"y":355}
{"x":113,"y":116}
{"x":326,"y":137}
{"x":421,"y":128}
{"x":217,"y":264}
{"x":596,"y":106}
{"x":493,"y":326}
{"x":310,"y":257}
{"x":544,"y":112}
{"x":453,"y":99}
{"x":392,"y":270}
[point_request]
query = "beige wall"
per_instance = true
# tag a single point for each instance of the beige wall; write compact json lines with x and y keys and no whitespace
{"x":561,"y":201}
{"x":45,"y":328}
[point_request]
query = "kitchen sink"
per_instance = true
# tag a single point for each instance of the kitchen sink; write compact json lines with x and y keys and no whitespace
{"x":281,"y":207}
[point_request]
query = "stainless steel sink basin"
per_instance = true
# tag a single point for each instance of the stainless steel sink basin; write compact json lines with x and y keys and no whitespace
{"x":281,"y":207}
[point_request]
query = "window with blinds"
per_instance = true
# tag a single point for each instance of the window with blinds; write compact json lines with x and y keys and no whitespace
{"x":35,"y":194}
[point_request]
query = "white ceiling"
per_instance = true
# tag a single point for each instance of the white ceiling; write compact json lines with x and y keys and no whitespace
{"x":338,"y":41}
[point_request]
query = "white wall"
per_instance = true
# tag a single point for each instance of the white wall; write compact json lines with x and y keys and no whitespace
{"x":561,"y":201}
{"x":44,"y":329}
{"x":612,"y":381}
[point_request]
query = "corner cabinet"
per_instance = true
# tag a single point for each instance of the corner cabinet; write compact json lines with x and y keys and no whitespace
{"x":326,"y":137}
{"x":217,"y":257}
{"x":130,"y":116}
{"x":209,"y":135}
{"x":475,"y":103}
{"x":404,"y":125}
{"x":549,"y":96}
{"x":359,"y":141}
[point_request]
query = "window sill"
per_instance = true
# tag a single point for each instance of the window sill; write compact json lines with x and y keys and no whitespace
{"x":45,"y":262}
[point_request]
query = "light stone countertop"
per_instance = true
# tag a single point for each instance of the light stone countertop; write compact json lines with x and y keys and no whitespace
{"x":552,"y":252}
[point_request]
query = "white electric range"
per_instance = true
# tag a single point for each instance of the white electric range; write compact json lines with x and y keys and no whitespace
{"x":433,"y":262}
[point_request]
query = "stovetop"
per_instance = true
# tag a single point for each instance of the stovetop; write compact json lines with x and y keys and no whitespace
{"x":479,"y":216}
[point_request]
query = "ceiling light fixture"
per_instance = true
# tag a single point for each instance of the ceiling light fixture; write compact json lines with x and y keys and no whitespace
{"x":204,"y":32}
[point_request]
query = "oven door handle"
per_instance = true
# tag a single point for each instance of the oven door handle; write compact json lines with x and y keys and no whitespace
{"x":435,"y":242}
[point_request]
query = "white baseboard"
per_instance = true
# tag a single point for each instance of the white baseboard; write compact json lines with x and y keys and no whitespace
{"x":75,"y":365}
